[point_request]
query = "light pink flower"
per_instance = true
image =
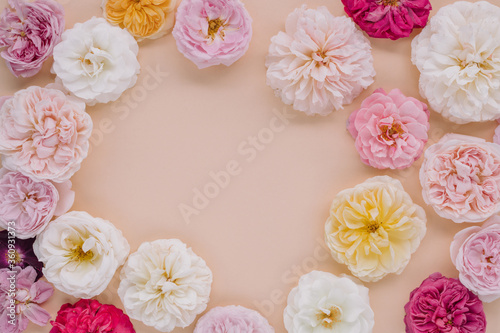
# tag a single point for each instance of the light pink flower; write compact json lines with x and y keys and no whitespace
{"x":390,"y":129}
{"x":460,"y":177}
{"x":392,"y":19}
{"x":233,"y":319}
{"x":212,"y":32}
{"x":29,"y":34}
{"x":475,"y":252}
{"x":28,"y":295}
{"x":320,"y":62}
{"x":496,"y":137}
{"x":30,"y":204}
{"x":44,"y":134}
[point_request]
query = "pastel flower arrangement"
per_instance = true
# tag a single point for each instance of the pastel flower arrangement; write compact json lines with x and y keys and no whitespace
{"x":457,"y":55}
{"x":392,"y":19}
{"x":323,"y":302}
{"x":29,"y":33}
{"x":374,"y":228}
{"x":390,"y":129}
{"x":232,"y":319}
{"x":443,"y":304}
{"x":460,"y":178}
{"x":212,"y":32}
{"x":320,"y":62}
{"x":475,"y":251}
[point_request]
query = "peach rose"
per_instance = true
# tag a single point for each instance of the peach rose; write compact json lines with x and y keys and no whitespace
{"x":142,"y":18}
{"x":460,"y":178}
{"x":44,"y":134}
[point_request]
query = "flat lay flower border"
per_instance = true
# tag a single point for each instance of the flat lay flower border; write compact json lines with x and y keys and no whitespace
{"x":318,"y":64}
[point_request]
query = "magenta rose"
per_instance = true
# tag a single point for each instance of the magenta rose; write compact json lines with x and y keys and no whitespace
{"x":392,"y":19}
{"x":90,"y":316}
{"x":443,"y":304}
{"x":460,"y":178}
{"x":212,"y":32}
{"x":30,"y":204}
{"x":390,"y":129}
{"x":232,"y":319}
{"x":44,"y":134}
{"x":475,"y":252}
{"x":29,"y":33}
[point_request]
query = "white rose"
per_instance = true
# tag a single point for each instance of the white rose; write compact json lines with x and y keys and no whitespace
{"x":458,"y":56}
{"x":81,"y":253}
{"x":96,"y":61}
{"x":165,"y":285}
{"x":323,"y":302}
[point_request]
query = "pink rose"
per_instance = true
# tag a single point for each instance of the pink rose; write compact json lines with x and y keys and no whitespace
{"x":90,"y":316}
{"x":28,"y":294}
{"x":212,"y":32}
{"x":392,"y":19}
{"x":30,"y":204}
{"x":390,"y":129}
{"x":29,"y":34}
{"x":442,"y":305}
{"x":233,"y":319}
{"x":475,"y":252}
{"x":460,"y":178}
{"x":44,"y":134}
{"x":496,"y":137}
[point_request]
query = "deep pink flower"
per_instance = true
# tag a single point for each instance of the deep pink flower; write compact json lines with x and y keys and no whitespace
{"x":212,"y":32}
{"x":392,"y":19}
{"x":390,"y":129}
{"x":442,"y":305}
{"x":27,"y":296}
{"x":29,"y":34}
{"x":90,"y":316}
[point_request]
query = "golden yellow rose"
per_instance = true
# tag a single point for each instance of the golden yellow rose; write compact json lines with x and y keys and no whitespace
{"x":374,"y":228}
{"x":142,"y":18}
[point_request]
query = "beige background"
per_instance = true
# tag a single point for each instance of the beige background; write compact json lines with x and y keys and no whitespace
{"x":156,"y":145}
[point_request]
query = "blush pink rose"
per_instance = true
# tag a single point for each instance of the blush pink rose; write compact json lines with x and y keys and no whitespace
{"x":30,"y":204}
{"x":44,"y":134}
{"x":212,"y":32}
{"x":442,"y":305}
{"x":390,"y":129}
{"x":392,"y":19}
{"x":28,"y":296}
{"x":29,"y":33}
{"x":460,"y":178}
{"x":233,"y":319}
{"x":90,"y":316}
{"x":475,"y":252}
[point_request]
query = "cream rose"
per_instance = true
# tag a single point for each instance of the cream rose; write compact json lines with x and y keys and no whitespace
{"x":165,"y":285}
{"x":374,"y":228}
{"x":81,"y":253}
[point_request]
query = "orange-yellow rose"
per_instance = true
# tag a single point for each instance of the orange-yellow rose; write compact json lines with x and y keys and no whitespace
{"x":142,"y":18}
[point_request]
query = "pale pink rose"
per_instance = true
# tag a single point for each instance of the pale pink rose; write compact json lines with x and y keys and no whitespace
{"x":28,"y":34}
{"x":460,"y":177}
{"x":30,"y":204}
{"x":44,"y":134}
{"x":390,"y":129}
{"x":496,"y":137}
{"x":475,"y":252}
{"x":233,"y":318}
{"x":212,"y":32}
{"x":28,"y":296}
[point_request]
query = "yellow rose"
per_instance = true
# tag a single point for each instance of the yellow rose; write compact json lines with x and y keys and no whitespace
{"x":374,"y":228}
{"x":142,"y":18}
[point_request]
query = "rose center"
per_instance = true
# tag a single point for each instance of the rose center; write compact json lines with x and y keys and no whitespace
{"x":77,"y":254}
{"x":16,"y":257}
{"x":214,"y":26}
{"x":389,"y":2}
{"x":328,"y":317}
{"x":372,"y":226}
{"x":389,"y":133}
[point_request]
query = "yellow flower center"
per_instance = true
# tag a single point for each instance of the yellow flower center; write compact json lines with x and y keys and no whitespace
{"x":16,"y":257}
{"x":390,"y":2}
{"x":214,"y":26}
{"x":328,"y":317}
{"x":77,"y":254}
{"x":372,"y":226}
